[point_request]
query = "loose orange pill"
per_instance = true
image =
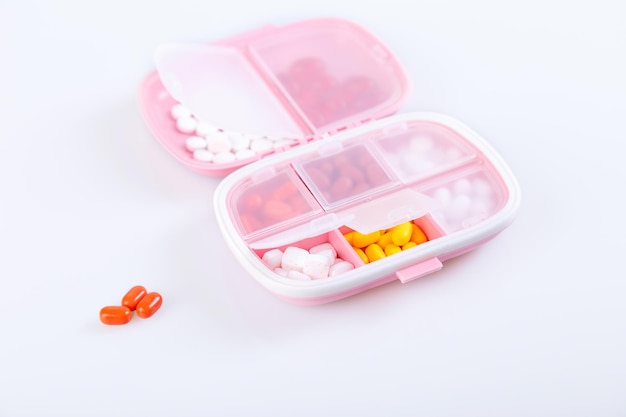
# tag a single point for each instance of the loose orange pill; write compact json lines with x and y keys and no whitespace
{"x":392,"y":249}
{"x":132,"y":297}
{"x":115,"y":315}
{"x":362,"y":255}
{"x":374,"y":252}
{"x":409,"y":245}
{"x":149,"y":304}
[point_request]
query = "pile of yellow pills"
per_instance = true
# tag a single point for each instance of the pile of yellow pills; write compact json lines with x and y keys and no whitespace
{"x":382,"y":243}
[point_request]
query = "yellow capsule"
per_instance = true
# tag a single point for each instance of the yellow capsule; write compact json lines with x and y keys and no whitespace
{"x":392,"y":249}
{"x":349,"y":236}
{"x":418,"y":236}
{"x":384,"y":240}
{"x":359,"y":240}
{"x":401,"y":233}
{"x":374,"y":252}
{"x":362,"y":255}
{"x":409,"y":245}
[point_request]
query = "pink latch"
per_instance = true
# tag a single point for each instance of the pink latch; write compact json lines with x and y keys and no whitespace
{"x":419,"y":270}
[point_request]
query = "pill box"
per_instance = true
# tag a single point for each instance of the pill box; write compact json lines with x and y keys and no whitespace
{"x":324,"y":90}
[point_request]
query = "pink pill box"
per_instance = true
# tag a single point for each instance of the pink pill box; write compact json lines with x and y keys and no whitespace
{"x":319,"y":94}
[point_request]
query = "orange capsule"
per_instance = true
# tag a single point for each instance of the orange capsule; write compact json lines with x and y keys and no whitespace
{"x":149,"y":305}
{"x":133,"y":296}
{"x":115,"y":315}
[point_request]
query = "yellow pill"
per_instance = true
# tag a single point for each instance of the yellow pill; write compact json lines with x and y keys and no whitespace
{"x":392,"y":249}
{"x":401,"y":233}
{"x":384,"y":240}
{"x":359,"y":240}
{"x":349,"y":236}
{"x":362,"y":255}
{"x":409,"y":245}
{"x":418,"y":235}
{"x":374,"y":252}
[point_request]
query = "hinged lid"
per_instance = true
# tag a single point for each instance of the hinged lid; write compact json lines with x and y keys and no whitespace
{"x":300,"y":81}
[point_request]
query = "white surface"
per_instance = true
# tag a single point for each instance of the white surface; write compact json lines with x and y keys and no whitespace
{"x":534,"y":323}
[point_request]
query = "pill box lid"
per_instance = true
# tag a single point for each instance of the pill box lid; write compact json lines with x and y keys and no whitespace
{"x":299,"y":82}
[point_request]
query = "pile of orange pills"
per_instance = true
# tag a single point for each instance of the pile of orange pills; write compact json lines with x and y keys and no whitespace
{"x":137,"y":299}
{"x":382,"y":243}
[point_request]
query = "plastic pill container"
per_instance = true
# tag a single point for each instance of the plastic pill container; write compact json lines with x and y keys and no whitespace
{"x":325,"y":90}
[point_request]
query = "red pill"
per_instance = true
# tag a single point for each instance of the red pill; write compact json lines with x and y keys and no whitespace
{"x":132,"y":297}
{"x":115,"y":315}
{"x":276,"y":210}
{"x":149,"y":305}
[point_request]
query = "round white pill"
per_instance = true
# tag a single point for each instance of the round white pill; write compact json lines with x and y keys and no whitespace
{"x":193,"y":143}
{"x":244,"y":154}
{"x":340,"y":268}
{"x":462,"y":186}
{"x":224,"y":157}
{"x":218,"y":142}
{"x":239,"y":142}
{"x":261,"y":145}
{"x":204,"y":128}
{"x":316,"y":266}
{"x":443,"y":195}
{"x":459,"y":208}
{"x":482,"y":188}
{"x":178,"y":111}
{"x":325,"y":249}
{"x":186,"y":124}
{"x":420,"y":144}
{"x":282,"y":272}
{"x":452,"y":154}
{"x":298,"y":276}
{"x":273,"y":258}
{"x":294,"y":258}
{"x":203,"y":155}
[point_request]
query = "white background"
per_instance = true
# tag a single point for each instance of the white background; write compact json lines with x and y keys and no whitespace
{"x":533,"y":323}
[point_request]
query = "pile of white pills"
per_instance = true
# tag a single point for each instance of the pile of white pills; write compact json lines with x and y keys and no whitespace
{"x":319,"y":262}
{"x":465,"y":202}
{"x":422,"y":153}
{"x":210,"y":144}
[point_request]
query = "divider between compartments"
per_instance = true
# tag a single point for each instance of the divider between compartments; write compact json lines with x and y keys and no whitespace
{"x":343,"y":248}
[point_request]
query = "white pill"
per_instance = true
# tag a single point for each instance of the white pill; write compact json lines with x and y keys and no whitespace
{"x":325,"y":249}
{"x":443,"y":195}
{"x":193,"y":143}
{"x":204,"y":128}
{"x":316,"y":266}
{"x":244,"y":154}
{"x":273,"y":258}
{"x":452,"y":154}
{"x":282,"y":272}
{"x":218,"y":142}
{"x":178,"y":111}
{"x":261,"y":145}
{"x":203,"y":155}
{"x":239,"y":142}
{"x":294,"y":258}
{"x":186,"y":124}
{"x":462,"y":186}
{"x":224,"y":157}
{"x":297,"y":275}
{"x":459,"y":208}
{"x":340,"y":268}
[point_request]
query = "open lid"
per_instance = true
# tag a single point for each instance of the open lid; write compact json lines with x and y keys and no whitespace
{"x":296,"y":81}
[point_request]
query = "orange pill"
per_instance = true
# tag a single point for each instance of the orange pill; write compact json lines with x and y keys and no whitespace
{"x":132,"y":297}
{"x":418,"y":236}
{"x":149,"y":305}
{"x":115,"y":315}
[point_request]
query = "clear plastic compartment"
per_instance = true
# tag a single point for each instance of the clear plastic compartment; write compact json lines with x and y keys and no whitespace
{"x":331,"y":70}
{"x":466,"y":197}
{"x":270,"y":201}
{"x":423,"y":149}
{"x":344,"y":175}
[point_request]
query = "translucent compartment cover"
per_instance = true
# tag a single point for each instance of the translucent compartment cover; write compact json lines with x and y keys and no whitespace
{"x":220,"y":86}
{"x":263,"y":203}
{"x":343,"y":75}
